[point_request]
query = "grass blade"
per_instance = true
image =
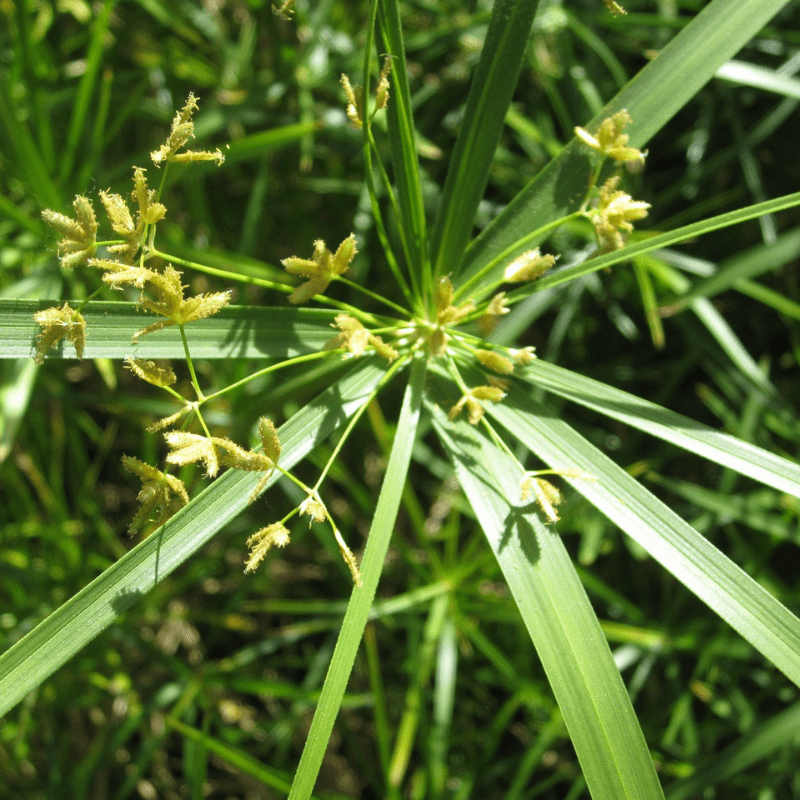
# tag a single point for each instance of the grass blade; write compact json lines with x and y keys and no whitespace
{"x":235,"y":332}
{"x":355,"y":619}
{"x":489,"y":98}
{"x":55,"y":640}
{"x":744,"y":458}
{"x":559,"y":618}
{"x":747,"y":607}
{"x":652,"y":98}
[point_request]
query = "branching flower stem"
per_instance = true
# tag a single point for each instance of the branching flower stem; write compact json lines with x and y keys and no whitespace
{"x":374,"y":295}
{"x":281,"y":287}
{"x":221,"y":273}
{"x":288,"y":363}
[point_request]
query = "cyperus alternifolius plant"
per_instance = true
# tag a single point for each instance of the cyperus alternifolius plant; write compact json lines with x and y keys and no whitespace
{"x":416,"y":325}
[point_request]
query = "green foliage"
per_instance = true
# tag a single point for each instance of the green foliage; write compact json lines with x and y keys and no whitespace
{"x":459,"y":401}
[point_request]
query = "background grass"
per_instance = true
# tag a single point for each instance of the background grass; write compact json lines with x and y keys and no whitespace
{"x":207,"y":685}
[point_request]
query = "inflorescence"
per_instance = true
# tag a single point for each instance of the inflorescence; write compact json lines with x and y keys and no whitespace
{"x":452,"y":331}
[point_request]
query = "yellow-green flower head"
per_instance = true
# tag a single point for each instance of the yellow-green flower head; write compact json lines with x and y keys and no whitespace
{"x":611,"y":141}
{"x":260,"y":543}
{"x":528,"y":266}
{"x":161,"y":495}
{"x":57,"y":324}
{"x":614,"y":214}
{"x":78,"y":242}
{"x":321,"y":268}
{"x":183,"y":130}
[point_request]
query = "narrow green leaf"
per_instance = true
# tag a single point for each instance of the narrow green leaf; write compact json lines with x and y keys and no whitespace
{"x":80,"y":106}
{"x":235,"y":332}
{"x":402,"y":139}
{"x":749,"y":264}
{"x":744,"y":74}
{"x":85,"y":615}
{"x":744,"y":458}
{"x":756,"y":744}
{"x":489,"y":98}
{"x":652,"y":98}
{"x":237,"y":758}
{"x":361,"y":600}
{"x":745,"y":605}
{"x":645,"y":245}
{"x":559,"y":618}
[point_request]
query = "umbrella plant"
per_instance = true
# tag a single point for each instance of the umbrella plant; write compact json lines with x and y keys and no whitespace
{"x":445,"y":339}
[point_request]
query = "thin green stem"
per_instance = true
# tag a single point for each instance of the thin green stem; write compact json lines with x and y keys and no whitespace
{"x":282,"y":365}
{"x":176,"y":395}
{"x":379,"y":298}
{"x":162,"y":183}
{"x":222,"y":273}
{"x":293,"y":479}
{"x":202,"y":421}
{"x":350,"y":425}
{"x":189,"y":361}
{"x":83,"y":302}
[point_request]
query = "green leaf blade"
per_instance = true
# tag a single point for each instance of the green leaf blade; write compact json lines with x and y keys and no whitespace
{"x":358,"y":609}
{"x":84,"y":616}
{"x":567,"y":635}
{"x":747,"y":607}
{"x":234,"y":332}
{"x":489,"y":98}
{"x":745,"y":458}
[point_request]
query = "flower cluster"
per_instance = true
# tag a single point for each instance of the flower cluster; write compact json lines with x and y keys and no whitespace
{"x":161,"y":495}
{"x":133,"y":232}
{"x":77,"y":245}
{"x":472,"y":401}
{"x":321,"y":268}
{"x":546,"y":494}
{"x":183,"y":130}
{"x":217,"y":451}
{"x":613,"y":210}
{"x":613,"y":214}
{"x":355,"y":95}
{"x":611,"y":141}
{"x":356,"y":338}
{"x":447,"y":314}
{"x":166,"y":292}
{"x":79,"y":235}
{"x":57,"y":324}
